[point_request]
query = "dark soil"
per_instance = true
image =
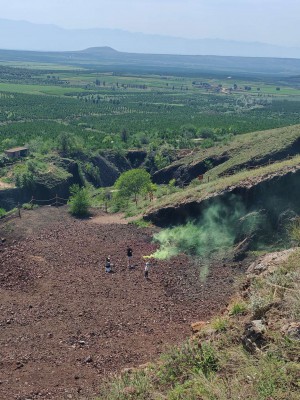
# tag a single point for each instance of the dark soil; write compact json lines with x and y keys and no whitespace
{"x":65,"y":324}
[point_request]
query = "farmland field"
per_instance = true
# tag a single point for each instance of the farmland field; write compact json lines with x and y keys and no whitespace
{"x":42,"y":100}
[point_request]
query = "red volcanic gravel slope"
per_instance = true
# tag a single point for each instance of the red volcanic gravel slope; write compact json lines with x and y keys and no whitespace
{"x":65,"y":324}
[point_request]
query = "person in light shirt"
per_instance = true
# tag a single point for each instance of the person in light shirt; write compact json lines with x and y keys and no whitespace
{"x":146,"y":271}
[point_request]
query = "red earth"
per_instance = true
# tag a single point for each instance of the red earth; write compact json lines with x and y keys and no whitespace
{"x":65,"y":324}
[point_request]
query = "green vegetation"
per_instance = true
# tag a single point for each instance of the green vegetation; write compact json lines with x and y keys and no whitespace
{"x":237,"y":307}
{"x":46,"y":171}
{"x":294,"y":231}
{"x":79,"y":201}
{"x":93,"y":117}
{"x":132,"y":183}
{"x":220,"y":324}
{"x":97,"y":108}
{"x":205,"y":190}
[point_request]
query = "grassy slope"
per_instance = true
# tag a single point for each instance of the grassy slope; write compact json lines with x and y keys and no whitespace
{"x":214,"y":365}
{"x":242,"y":150}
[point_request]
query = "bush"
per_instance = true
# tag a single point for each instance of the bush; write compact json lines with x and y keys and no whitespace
{"x":220,"y":324}
{"x":182,"y":362}
{"x":2,"y":212}
{"x":79,"y":201}
{"x":238,"y":307}
{"x":136,"y":385}
{"x":294,"y":231}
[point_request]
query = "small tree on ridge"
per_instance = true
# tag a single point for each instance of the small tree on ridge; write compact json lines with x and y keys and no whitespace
{"x":133,"y":183}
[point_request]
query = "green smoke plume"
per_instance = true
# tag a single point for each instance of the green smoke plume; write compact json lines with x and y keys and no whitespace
{"x":212,"y":235}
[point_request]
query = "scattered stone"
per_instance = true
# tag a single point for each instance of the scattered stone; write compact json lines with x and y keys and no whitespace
{"x":198,"y":326}
{"x":19,"y":365}
{"x":292,"y":330}
{"x":253,"y":338}
{"x":89,"y":359}
{"x":269,"y":262}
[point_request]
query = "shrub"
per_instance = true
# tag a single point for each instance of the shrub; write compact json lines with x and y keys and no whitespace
{"x":191,"y":358}
{"x":294,"y":231}
{"x":259,"y":304}
{"x":129,"y":386}
{"x":238,"y":307}
{"x":220,"y":324}
{"x":79,"y":201}
{"x":2,"y":212}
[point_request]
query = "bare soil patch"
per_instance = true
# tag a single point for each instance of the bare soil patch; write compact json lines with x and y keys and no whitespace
{"x":4,"y":185}
{"x":65,"y":324}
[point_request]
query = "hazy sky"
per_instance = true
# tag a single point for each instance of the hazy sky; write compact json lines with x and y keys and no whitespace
{"x":270,"y":21}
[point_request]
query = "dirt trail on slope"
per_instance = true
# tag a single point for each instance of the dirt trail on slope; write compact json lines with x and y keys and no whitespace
{"x":118,"y":218}
{"x":65,"y":324}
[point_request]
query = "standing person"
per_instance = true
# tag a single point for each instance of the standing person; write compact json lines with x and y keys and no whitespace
{"x":19,"y":210}
{"x":147,"y":266}
{"x":107,"y":265}
{"x":129,"y":256}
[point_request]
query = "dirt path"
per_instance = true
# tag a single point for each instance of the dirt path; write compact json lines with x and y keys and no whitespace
{"x":65,"y":324}
{"x":4,"y":185}
{"x":118,"y":218}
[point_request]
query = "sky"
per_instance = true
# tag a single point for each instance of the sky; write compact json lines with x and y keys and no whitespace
{"x":268,"y":21}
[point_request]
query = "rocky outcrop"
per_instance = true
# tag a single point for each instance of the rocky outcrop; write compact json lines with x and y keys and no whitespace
{"x":46,"y":185}
{"x":184,"y":173}
{"x":272,"y":194}
{"x":268,"y":263}
{"x":9,"y":198}
{"x":136,"y":157}
{"x":274,"y":199}
{"x":290,"y":151}
{"x":254,"y":338}
{"x":189,"y":168}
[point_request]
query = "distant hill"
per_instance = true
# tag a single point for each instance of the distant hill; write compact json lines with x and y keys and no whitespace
{"x":108,"y":59}
{"x":22,"y":35}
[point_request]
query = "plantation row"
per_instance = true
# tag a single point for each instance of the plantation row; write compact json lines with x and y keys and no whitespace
{"x":97,"y":117}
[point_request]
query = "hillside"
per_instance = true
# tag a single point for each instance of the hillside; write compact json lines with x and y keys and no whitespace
{"x":249,"y":352}
{"x":247,"y":160}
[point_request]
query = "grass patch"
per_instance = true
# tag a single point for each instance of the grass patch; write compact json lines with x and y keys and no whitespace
{"x":141,"y":223}
{"x":190,"y":358}
{"x":237,"y":308}
{"x":220,"y":324}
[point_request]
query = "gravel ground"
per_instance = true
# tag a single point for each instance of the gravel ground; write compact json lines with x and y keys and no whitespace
{"x":65,"y":324}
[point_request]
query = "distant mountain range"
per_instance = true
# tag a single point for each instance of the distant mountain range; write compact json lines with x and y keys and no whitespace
{"x":22,"y":35}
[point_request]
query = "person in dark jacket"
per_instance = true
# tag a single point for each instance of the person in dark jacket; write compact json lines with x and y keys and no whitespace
{"x":129,"y":256}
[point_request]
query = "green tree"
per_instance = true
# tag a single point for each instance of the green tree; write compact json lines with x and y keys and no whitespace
{"x":133,"y":183}
{"x":79,"y":201}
